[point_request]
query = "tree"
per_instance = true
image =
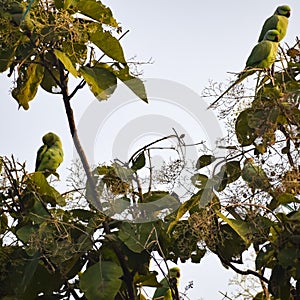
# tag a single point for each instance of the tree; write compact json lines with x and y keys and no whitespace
{"x":72,"y":245}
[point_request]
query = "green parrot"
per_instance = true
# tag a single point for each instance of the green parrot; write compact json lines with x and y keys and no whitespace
{"x":164,"y":292}
{"x":279,"y":21}
{"x":50,"y":155}
{"x":255,"y":176}
{"x":262,"y":56}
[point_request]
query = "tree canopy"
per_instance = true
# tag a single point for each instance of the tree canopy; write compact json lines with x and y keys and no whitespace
{"x":74,"y":245}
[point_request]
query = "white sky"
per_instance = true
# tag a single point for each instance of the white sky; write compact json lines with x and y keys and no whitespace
{"x":190,"y":43}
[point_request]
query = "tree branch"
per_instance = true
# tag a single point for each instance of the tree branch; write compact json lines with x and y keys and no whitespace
{"x":128,"y":278}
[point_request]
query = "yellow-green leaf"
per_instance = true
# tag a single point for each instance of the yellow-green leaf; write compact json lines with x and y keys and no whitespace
{"x":134,"y":83}
{"x":38,"y":181}
{"x":101,"y":281}
{"x":66,"y":62}
{"x":107,"y":43}
{"x":27,"y":84}
{"x":239,"y":226}
{"x":101,"y":81}
{"x":97,"y":11}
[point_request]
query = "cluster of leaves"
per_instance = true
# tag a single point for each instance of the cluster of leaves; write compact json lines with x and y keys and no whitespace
{"x":52,"y":39}
{"x":265,"y":217}
{"x":49,"y":250}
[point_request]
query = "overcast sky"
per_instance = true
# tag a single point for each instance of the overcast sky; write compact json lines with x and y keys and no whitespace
{"x":189,"y":43}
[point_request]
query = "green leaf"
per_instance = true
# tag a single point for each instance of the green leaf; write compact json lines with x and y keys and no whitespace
{"x":146,"y":280}
{"x":123,"y":173}
{"x":97,"y":11}
{"x":133,"y":83}
{"x":204,"y":161}
{"x":6,"y":57}
{"x":101,"y":281}
{"x":82,"y":214}
{"x":48,"y":83}
{"x":279,"y":283}
{"x":283,"y":199}
{"x":136,"y":236}
{"x":27,"y":84}
{"x":25,"y":232}
{"x":160,"y":200}
{"x":39,"y":183}
{"x":219,"y":181}
{"x":66,"y":62}
{"x":199,"y":180}
{"x":196,"y":258}
{"x":3,"y":223}
{"x":184,"y":208}
{"x":265,"y":257}
{"x":107,"y":43}
{"x":262,"y":117}
{"x":232,"y":170}
{"x":59,"y":4}
{"x":245,"y":134}
{"x":232,"y":245}
{"x":101,"y":81}
{"x":242,"y":228}
{"x":139,"y":162}
{"x":286,"y":198}
{"x":207,"y":194}
{"x":77,"y":52}
{"x":42,"y":281}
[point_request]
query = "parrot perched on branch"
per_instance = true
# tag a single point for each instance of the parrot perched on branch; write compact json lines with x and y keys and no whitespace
{"x":262,"y":56}
{"x":278,"y":21}
{"x":169,"y":286}
{"x":50,"y":155}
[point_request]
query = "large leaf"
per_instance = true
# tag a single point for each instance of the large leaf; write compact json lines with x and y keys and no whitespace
{"x":245,"y":134}
{"x":38,"y":182}
{"x":241,"y":227}
{"x":147,"y":280}
{"x":107,"y":43}
{"x":6,"y":57}
{"x":136,"y":236}
{"x":66,"y":62}
{"x":139,"y":162}
{"x":101,"y":281}
{"x":50,"y":81}
{"x":97,"y":11}
{"x":27,"y":84}
{"x":199,"y":180}
{"x":204,"y":160}
{"x":184,"y":208}
{"x":101,"y":81}
{"x":134,"y":83}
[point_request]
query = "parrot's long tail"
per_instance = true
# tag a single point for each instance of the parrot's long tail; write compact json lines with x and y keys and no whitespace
{"x":244,"y":74}
{"x":224,"y":93}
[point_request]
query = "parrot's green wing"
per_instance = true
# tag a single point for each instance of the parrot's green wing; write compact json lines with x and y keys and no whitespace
{"x":50,"y":155}
{"x":279,"y":21}
{"x":39,"y":156}
{"x":262,"y":56}
{"x":264,"y":53}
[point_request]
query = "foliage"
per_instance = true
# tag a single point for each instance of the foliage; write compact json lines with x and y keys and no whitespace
{"x":58,"y":38}
{"x":77,"y":244}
